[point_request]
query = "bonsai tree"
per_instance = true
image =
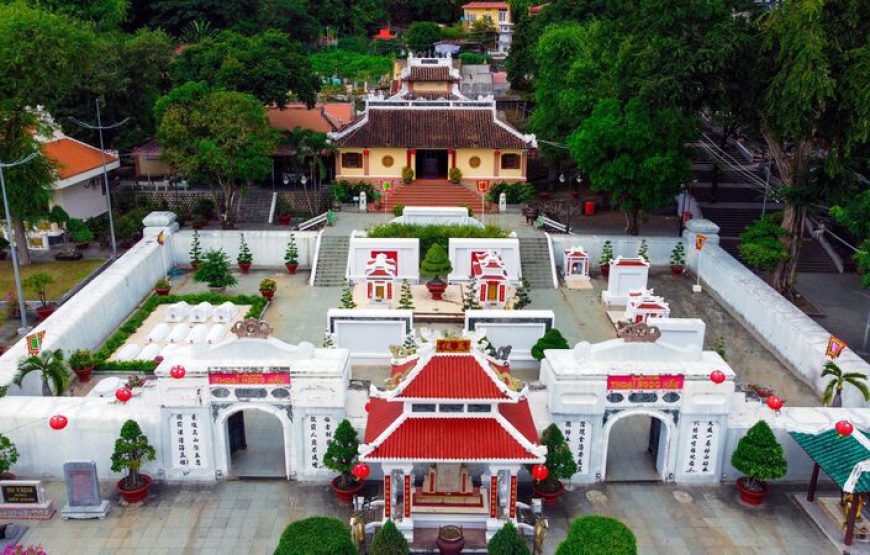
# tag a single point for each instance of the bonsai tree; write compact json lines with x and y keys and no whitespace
{"x":522,"y":298}
{"x":37,"y":283}
{"x":316,"y":535}
{"x":195,"y":251}
{"x":643,"y":250}
{"x":833,"y":395}
{"x":389,"y":541}
{"x":406,"y":299}
{"x":80,"y":360}
{"x":470,"y":300}
{"x":245,"y":256}
{"x":131,"y":450}
{"x":347,"y":297}
{"x":678,"y":255}
{"x":507,"y":541}
{"x":606,"y":255}
{"x":79,"y":232}
{"x":594,"y":535}
{"x":291,"y":255}
{"x":341,"y":455}
{"x":52,"y":371}
{"x":215,"y":270}
{"x":759,"y":457}
{"x":407,"y":175}
{"x":59,"y":216}
{"x":560,"y":460}
{"x":454,"y":175}
{"x":551,"y":340}
{"x":8,"y":455}
{"x":435,"y":264}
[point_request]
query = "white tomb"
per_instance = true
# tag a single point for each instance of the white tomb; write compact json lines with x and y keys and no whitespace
{"x":626,"y":274}
{"x":576,"y":270}
{"x":644,"y":308}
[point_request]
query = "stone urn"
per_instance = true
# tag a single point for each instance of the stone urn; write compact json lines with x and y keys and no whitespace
{"x":450,"y":540}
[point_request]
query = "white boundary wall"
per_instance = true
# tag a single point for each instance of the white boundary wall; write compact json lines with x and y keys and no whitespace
{"x":368,"y":333}
{"x":459,"y":251}
{"x":267,"y":247}
{"x":623,"y":245}
{"x":361,"y":249}
{"x":520,"y":329}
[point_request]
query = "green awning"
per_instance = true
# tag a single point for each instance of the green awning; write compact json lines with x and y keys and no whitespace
{"x":836,"y":455}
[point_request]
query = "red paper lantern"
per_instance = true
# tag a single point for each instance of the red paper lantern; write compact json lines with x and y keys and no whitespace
{"x":497,"y":152}
{"x":717,"y":376}
{"x":368,"y":406}
{"x":177,"y":371}
{"x":844,"y":427}
{"x":774,"y":402}
{"x":366,"y":152}
{"x":58,"y":422}
{"x":361,"y":470}
{"x":123,"y":394}
{"x":540,"y":472}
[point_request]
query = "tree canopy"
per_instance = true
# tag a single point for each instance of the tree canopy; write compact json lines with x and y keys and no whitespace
{"x":422,"y":35}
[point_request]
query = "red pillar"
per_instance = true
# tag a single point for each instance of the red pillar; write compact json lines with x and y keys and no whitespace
{"x":452,"y":157}
{"x":496,"y":159}
{"x":493,"y":496}
{"x":407,"y":496}
{"x":512,"y":500}
{"x":408,"y":153}
{"x":388,"y":495}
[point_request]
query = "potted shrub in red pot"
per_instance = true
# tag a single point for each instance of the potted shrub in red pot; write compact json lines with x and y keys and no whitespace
{"x":759,"y":457}
{"x":267,"y":288}
{"x":195,"y":251}
{"x":245,"y":258}
{"x":37,"y":283}
{"x":131,"y":451}
{"x":291,"y":255}
{"x":678,"y":259}
{"x":341,"y":456}
{"x":82,"y":363}
{"x":434,"y":265}
{"x":283,"y":211}
{"x":559,"y":465}
{"x":162,"y":287}
{"x":605,"y":258}
{"x":8,"y":457}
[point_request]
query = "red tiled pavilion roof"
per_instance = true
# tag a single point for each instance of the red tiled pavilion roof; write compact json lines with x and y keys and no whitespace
{"x":71,"y":157}
{"x":452,"y":377}
{"x":486,"y":5}
{"x":520,"y":417}
{"x":382,"y":413}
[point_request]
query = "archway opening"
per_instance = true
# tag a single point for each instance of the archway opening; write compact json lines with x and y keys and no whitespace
{"x":255,"y":440}
{"x":637,"y":449}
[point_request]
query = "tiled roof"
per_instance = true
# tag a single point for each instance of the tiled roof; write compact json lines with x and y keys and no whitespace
{"x":836,"y":455}
{"x":381,"y":414}
{"x":454,"y":439}
{"x":520,"y":417}
{"x":486,"y":5}
{"x":452,"y":377}
{"x":72,"y":157}
{"x":430,"y":128}
{"x":430,"y":73}
{"x":323,"y":118}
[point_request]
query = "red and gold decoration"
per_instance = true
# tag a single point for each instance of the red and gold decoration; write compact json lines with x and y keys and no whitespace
{"x":540,"y":472}
{"x":407,"y":496}
{"x":700,"y":241}
{"x":512,"y":504}
{"x":835,"y":348}
{"x":774,"y":402}
{"x":636,"y":382}
{"x":844,"y":428}
{"x":58,"y":422}
{"x":493,"y":496}
{"x":123,"y":394}
{"x":717,"y":376}
{"x":34,"y":343}
{"x":177,"y":371}
{"x":368,"y":406}
{"x":254,"y":378}
{"x":453,"y":345}
{"x":388,"y":499}
{"x":361,"y":471}
{"x":483,"y":187}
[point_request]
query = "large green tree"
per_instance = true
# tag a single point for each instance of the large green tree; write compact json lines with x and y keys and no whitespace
{"x":220,"y":137}
{"x":421,"y":36}
{"x":104,"y":14}
{"x":854,"y":213}
{"x":268,"y":65}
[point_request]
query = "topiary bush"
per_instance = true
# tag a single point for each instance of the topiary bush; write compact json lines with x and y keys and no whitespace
{"x":389,"y":541}
{"x":759,"y":456}
{"x":317,"y":535}
{"x":560,"y":460}
{"x":598,"y":535}
{"x":551,"y":340}
{"x":760,"y":244}
{"x":436,"y":263}
{"x":341,"y":454}
{"x":507,"y":541}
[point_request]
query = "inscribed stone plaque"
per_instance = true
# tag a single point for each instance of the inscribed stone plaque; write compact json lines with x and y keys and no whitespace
{"x":20,"y":493}
{"x":82,"y":486}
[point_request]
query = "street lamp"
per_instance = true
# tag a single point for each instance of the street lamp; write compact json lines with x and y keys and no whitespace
{"x":14,"y":240}
{"x":99,"y":127}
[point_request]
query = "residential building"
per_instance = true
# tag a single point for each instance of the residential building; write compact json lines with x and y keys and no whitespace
{"x":499,"y":13}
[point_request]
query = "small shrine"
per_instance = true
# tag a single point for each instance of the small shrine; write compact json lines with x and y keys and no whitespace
{"x":646,"y":306}
{"x":380,"y":276}
{"x":450,"y":433}
{"x":626,"y":274}
{"x":576,"y":271}
{"x":491,"y":278}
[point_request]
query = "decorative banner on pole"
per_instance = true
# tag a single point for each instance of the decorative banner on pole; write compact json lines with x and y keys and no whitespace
{"x":34,"y":343}
{"x":835,"y":348}
{"x":700,"y":241}
{"x":483,"y":187}
{"x":387,"y":186}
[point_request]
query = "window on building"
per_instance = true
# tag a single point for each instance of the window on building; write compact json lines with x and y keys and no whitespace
{"x":479,"y":408}
{"x":472,"y":17}
{"x":450,"y":408}
{"x":351,"y":160}
{"x":502,"y":16}
{"x":422,"y":407}
{"x":474,"y":161}
{"x":388,"y":161}
{"x":510,"y":161}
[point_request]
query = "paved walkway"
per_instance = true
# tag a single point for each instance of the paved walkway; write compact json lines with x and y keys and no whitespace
{"x":845,"y":305}
{"x":249,"y":516}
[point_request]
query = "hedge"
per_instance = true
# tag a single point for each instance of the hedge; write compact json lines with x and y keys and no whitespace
{"x":317,"y":535}
{"x":133,"y":323}
{"x":598,"y":535}
{"x":441,"y":234}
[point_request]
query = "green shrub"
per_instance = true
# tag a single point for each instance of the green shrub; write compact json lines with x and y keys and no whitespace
{"x":341,"y":454}
{"x":389,"y":541}
{"x":345,"y":190}
{"x":759,"y":455}
{"x":606,"y":253}
{"x":507,"y":541}
{"x":516,"y":193}
{"x":598,"y":535}
{"x":8,"y":454}
{"x":454,"y":175}
{"x":760,"y":244}
{"x":436,"y":263}
{"x":474,"y":58}
{"x":560,"y":460}
{"x":441,"y":234}
{"x":214,"y":270}
{"x":317,"y":535}
{"x":551,"y":340}
{"x":398,"y":210}
{"x":407,"y":175}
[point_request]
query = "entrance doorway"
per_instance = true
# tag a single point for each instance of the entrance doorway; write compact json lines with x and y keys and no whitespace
{"x":255,"y":440}
{"x":637,"y":449}
{"x":431,"y":164}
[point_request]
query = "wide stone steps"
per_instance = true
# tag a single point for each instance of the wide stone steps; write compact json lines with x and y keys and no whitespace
{"x":433,"y":193}
{"x":331,"y":261}
{"x":255,"y":206}
{"x":535,"y":262}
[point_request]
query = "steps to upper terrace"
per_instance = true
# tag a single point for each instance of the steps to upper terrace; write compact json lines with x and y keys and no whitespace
{"x":331,"y":263}
{"x":433,"y":192}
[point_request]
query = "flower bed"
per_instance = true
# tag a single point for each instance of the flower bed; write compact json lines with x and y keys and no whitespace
{"x":129,"y":327}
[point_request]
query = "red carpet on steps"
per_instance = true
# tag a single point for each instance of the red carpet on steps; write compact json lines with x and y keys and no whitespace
{"x":433,"y":193}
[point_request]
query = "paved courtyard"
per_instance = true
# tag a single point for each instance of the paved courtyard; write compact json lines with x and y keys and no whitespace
{"x":248,"y":517}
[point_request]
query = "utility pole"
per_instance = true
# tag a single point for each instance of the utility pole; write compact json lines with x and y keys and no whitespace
{"x":13,"y":240}
{"x":99,"y":127}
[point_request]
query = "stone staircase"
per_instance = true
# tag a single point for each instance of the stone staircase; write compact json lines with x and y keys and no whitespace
{"x":535,"y":262}
{"x":434,"y":192}
{"x":331,"y":261}
{"x":255,"y":206}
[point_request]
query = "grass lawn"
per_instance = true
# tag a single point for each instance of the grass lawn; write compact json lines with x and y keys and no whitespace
{"x":66,"y":275}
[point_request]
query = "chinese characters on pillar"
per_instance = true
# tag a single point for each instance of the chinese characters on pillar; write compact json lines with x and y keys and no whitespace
{"x":388,"y":497}
{"x":493,"y":496}
{"x":318,"y":432}
{"x":703,"y":439}
{"x":188,"y":447}
{"x":577,"y":435}
{"x":407,"y":496}
{"x":512,"y":507}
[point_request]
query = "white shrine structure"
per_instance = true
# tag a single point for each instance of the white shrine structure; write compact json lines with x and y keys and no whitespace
{"x":380,"y":276}
{"x":491,"y":278}
{"x":626,"y":274}
{"x":644,"y":306}
{"x":576,"y":265}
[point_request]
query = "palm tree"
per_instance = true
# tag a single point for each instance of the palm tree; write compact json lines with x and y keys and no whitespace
{"x":52,"y":368}
{"x":833,"y":396}
{"x":309,"y":148}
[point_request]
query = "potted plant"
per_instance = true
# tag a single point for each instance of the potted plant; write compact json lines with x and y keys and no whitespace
{"x":759,"y":457}
{"x":434,"y":265}
{"x":195,"y":251}
{"x":337,"y":192}
{"x":80,"y":233}
{"x":283,"y":211}
{"x":162,"y":287}
{"x":454,"y":175}
{"x":58,"y":216}
{"x":643,"y":250}
{"x":267,"y":288}
{"x":407,"y":175}
{"x":214,"y":271}
{"x":51,"y":368}
{"x":8,"y":457}
{"x":341,"y":456}
{"x":450,"y":540}
{"x":605,"y":258}
{"x":560,"y":466}
{"x":37,"y":283}
{"x":678,"y":259}
{"x":82,"y":363}
{"x":398,"y":210}
{"x":4,"y":244}
{"x":131,"y":450}
{"x":245,"y":258}
{"x":374,"y":204}
{"x":291,"y":255}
